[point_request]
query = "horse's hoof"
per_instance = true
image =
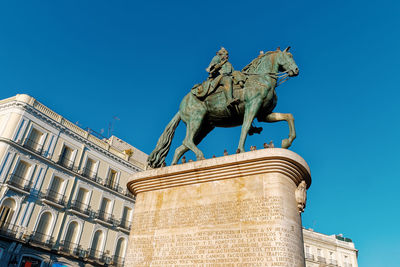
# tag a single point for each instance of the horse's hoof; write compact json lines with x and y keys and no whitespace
{"x":286,"y":143}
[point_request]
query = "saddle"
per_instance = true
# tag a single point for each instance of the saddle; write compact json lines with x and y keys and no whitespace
{"x":204,"y":89}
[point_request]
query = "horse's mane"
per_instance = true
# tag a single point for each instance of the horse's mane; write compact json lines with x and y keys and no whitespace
{"x":252,"y":66}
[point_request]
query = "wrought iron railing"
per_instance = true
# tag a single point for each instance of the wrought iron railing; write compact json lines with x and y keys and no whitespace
{"x":55,"y":197}
{"x":321,"y":259}
{"x":89,"y":173}
{"x":332,"y":262}
{"x":125,"y":224}
{"x":128,"y":194}
{"x":309,"y":256}
{"x":19,"y":182}
{"x":8,"y":229}
{"x":66,"y":163}
{"x":81,"y":207}
{"x":69,"y":247}
{"x":118,"y":261}
{"x":96,"y":255}
{"x":33,"y":146}
{"x":113,"y":185}
{"x":41,"y":239}
{"x":105,"y":216}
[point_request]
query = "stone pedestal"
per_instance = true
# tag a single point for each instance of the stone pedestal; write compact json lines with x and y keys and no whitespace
{"x":238,"y":210}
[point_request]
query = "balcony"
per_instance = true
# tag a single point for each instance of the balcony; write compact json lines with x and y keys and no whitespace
{"x":33,"y":146}
{"x":112,"y":185}
{"x":19,"y":182}
{"x":55,"y":197}
{"x":89,"y":173}
{"x":125,"y":224}
{"x":8,"y":230}
{"x":321,"y":259}
{"x":69,"y":248}
{"x":332,"y":262}
{"x":105,"y":217}
{"x":66,"y":163}
{"x":96,"y":255}
{"x":80,"y":207}
{"x":42,"y":239}
{"x":309,"y":256}
{"x":118,"y":261}
{"x":129,"y":194}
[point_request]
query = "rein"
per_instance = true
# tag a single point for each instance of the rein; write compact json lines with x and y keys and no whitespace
{"x":280,"y":77}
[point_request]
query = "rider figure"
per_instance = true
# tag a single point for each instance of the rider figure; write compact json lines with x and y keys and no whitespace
{"x":220,"y":71}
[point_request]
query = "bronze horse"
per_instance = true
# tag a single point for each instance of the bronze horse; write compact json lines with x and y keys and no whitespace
{"x":257,"y":100}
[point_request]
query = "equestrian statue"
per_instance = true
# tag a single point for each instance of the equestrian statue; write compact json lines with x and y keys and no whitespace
{"x":230,"y":98}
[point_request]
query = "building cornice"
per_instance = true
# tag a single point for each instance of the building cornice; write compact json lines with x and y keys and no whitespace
{"x":38,"y":110}
{"x":327,"y":240}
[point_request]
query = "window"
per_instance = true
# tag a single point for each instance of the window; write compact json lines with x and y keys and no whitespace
{"x":7,"y":210}
{"x":111,"y":179}
{"x":120,"y":251}
{"x":66,"y":157}
{"x":320,"y":257}
{"x":126,"y":217}
{"x":54,"y":191}
{"x":105,"y":207}
{"x":20,"y":175}
{"x":22,"y":170}
{"x":90,"y":169}
{"x":33,"y":141}
{"x":43,"y":227}
{"x":81,"y":199}
{"x":308,"y":253}
{"x":71,"y":237}
{"x":95,"y":250}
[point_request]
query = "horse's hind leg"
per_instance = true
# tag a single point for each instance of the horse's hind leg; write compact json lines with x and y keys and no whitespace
{"x":193,"y":128}
{"x":178,"y":153}
{"x":274,"y":117}
{"x":197,"y":139}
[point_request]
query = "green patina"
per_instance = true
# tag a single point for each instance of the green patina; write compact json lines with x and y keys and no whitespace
{"x":227,"y":99}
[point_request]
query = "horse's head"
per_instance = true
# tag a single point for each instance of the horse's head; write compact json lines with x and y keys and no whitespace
{"x":286,"y":62}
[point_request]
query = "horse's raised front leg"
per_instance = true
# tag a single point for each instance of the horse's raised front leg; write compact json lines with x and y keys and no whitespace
{"x":251,"y":110}
{"x":274,"y":117}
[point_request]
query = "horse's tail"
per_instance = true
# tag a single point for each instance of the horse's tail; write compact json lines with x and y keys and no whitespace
{"x":157,"y":157}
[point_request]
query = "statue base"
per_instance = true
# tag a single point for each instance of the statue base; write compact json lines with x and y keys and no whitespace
{"x":237,"y":210}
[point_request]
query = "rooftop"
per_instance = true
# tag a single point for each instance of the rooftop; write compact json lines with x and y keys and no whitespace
{"x":113,"y":145}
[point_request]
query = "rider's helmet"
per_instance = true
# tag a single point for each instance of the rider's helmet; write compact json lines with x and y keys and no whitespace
{"x":222,"y":52}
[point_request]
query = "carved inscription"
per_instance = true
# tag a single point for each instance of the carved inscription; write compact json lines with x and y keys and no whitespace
{"x":250,"y":210}
{"x":271,"y":246}
{"x":254,"y":234}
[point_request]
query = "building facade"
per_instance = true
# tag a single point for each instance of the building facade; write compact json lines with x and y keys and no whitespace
{"x":328,"y":250}
{"x":63,"y":195}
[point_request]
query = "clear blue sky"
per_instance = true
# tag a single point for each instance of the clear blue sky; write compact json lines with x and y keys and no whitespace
{"x":92,"y":60}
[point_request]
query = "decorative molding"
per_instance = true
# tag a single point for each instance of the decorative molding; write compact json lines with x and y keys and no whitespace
{"x":39,"y":115}
{"x":270,"y":160}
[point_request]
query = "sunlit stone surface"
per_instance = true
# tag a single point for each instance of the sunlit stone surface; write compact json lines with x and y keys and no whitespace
{"x":237,"y":210}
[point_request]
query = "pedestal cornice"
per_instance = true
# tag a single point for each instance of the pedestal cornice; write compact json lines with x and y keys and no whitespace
{"x":262,"y":161}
